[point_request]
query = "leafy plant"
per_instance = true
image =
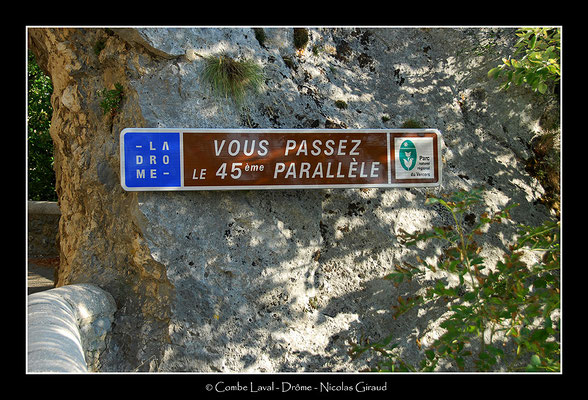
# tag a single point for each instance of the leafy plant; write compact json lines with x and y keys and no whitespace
{"x":260,"y":36}
{"x":111,"y":99}
{"x":41,"y":177}
{"x":341,"y":104}
{"x":99,"y":46}
{"x":501,"y":317}
{"x":300,"y":38}
{"x":232,"y":78}
{"x":539,"y":66}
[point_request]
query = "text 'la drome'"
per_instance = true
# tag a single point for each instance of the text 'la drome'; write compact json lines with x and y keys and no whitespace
{"x":152,"y":160}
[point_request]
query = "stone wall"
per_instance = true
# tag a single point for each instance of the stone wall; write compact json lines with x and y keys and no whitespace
{"x":272,"y":280}
{"x":42,"y":229}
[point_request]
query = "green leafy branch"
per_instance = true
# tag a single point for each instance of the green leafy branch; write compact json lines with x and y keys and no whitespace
{"x":539,"y":66}
{"x":508,"y":306}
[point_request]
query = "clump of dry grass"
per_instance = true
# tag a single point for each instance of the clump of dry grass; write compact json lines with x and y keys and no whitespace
{"x":232,"y":78}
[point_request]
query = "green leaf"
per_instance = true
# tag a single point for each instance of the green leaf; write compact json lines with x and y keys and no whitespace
{"x":495,"y":351}
{"x":495,"y":300}
{"x":477,"y":261}
{"x":534,"y":57}
{"x":494,"y":72}
{"x":532,"y":42}
{"x":518,"y":78}
{"x":469,"y":296}
{"x":430,"y":354}
{"x":540,"y":283}
{"x":460,"y":362}
{"x":433,"y":200}
{"x":553,"y":69}
{"x":386,"y":341}
{"x":398,"y":277}
{"x":540,"y":335}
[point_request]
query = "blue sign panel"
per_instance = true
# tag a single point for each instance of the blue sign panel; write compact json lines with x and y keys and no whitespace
{"x":151,"y":159}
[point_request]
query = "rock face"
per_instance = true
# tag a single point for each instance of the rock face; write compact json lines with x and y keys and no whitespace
{"x":272,"y":280}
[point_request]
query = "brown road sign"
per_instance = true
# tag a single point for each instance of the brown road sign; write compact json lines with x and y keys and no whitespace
{"x":233,"y":159}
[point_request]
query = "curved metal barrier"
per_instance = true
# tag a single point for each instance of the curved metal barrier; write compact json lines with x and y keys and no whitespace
{"x":66,"y":328}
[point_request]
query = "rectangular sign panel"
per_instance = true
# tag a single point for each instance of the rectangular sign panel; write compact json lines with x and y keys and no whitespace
{"x":233,"y":159}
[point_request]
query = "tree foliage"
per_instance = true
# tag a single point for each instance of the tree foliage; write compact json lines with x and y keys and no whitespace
{"x":41,"y":177}
{"x":539,"y":62}
{"x":502,"y":317}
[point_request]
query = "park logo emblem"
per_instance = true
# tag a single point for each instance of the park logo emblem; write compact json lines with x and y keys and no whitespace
{"x":407,"y":155}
